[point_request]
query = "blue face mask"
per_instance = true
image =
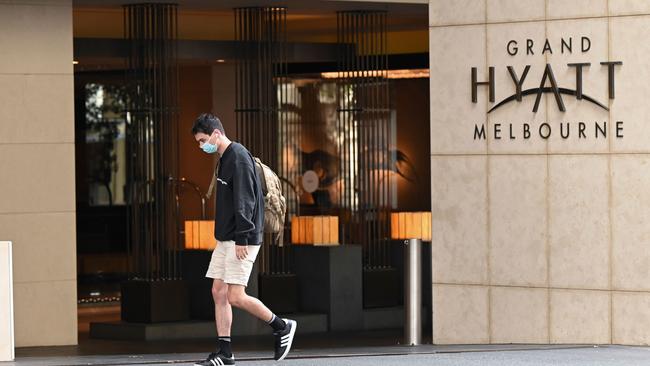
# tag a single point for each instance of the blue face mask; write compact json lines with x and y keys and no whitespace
{"x":209,"y":148}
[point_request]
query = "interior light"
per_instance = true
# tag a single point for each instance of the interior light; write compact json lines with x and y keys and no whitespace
{"x":410,"y":225}
{"x":389,"y":74}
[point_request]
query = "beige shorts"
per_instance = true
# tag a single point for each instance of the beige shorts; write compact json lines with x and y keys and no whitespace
{"x":225,"y":266}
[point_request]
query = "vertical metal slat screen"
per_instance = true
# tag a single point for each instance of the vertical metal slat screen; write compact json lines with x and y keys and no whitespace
{"x":364,"y":126}
{"x":152,"y":145}
{"x":261,"y":94}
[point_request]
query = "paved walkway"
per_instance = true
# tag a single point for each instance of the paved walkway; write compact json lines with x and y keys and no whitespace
{"x":502,"y":355}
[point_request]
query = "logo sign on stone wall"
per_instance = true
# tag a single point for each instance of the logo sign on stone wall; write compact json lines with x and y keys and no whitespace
{"x":548,"y":85}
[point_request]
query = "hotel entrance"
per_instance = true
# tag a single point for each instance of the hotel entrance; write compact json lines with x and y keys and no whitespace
{"x":333,"y":96}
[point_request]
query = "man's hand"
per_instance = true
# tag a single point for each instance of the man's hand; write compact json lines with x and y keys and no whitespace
{"x":241,"y":251}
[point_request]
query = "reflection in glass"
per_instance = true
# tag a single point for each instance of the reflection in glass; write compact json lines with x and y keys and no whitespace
{"x":105,"y":144}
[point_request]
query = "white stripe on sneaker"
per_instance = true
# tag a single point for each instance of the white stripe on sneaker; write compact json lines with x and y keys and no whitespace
{"x":214,"y":362}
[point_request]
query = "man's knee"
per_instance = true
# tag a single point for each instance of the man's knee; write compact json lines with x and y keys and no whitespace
{"x":219,"y":292}
{"x":236,"y":297}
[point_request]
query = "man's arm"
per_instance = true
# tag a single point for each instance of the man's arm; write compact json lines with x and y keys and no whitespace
{"x":244,"y":200}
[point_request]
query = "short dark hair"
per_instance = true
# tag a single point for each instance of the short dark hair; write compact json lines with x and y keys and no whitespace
{"x":207,"y":123}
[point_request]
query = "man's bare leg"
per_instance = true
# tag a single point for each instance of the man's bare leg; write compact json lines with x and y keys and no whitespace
{"x":222,"y":308}
{"x":223,"y":321}
{"x":283,"y":329}
{"x":238,"y":297}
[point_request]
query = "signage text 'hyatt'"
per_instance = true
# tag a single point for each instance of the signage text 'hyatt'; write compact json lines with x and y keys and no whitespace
{"x":548,"y":84}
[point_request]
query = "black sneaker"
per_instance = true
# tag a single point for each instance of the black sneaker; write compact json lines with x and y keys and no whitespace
{"x":217,"y":359}
{"x":284,"y":339}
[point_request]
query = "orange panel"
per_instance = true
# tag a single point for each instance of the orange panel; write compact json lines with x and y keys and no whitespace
{"x":394,"y":225}
{"x":200,"y":235}
{"x":319,"y":232}
{"x":334,"y":229}
{"x":402,"y":225}
{"x":295,"y":224}
{"x":426,"y":234}
{"x":309,"y":230}
{"x":188,"y":235}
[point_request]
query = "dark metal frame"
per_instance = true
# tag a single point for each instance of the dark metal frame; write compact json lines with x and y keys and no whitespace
{"x":152,"y":140}
{"x":261,"y":94}
{"x":365,"y":123}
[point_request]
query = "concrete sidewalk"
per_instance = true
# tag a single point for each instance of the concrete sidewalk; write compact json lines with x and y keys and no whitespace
{"x":501,"y":355}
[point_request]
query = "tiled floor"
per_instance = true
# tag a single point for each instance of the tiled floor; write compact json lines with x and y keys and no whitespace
{"x":389,"y":355}
{"x":353,"y":348}
{"x":261,"y":344}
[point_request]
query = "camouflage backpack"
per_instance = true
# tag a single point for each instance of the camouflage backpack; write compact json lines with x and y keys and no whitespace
{"x":275,"y":205}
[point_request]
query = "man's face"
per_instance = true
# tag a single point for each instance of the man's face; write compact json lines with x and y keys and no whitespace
{"x":202,"y":138}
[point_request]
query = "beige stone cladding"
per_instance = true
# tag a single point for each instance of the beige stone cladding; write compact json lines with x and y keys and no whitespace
{"x":37,"y":177}
{"x":540,"y":204}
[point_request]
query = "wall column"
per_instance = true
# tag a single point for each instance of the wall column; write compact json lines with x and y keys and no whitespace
{"x":37,"y":176}
{"x":540,"y":208}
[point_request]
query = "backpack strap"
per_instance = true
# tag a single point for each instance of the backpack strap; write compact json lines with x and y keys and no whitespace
{"x":213,"y":182}
{"x":260,"y":173}
{"x":258,"y":167}
{"x":279,"y":240}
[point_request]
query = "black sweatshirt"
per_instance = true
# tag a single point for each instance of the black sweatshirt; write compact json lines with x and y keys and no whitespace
{"x":239,"y":203}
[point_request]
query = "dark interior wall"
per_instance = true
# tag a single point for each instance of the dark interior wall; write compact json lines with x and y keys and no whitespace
{"x":411,"y":101}
{"x":195,"y":97}
{"x":208,"y":88}
{"x":224,"y":98}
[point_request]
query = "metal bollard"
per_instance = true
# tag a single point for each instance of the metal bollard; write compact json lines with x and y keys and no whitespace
{"x":413,"y":293}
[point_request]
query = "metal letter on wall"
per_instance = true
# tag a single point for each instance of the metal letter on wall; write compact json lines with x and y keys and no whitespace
{"x":365,"y":135}
{"x":263,"y":125}
{"x":152,"y":140}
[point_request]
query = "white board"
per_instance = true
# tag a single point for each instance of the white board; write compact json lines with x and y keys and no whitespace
{"x":7,"y":345}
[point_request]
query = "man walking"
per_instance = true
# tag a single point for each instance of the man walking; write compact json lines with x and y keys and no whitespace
{"x":239,"y":229}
